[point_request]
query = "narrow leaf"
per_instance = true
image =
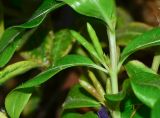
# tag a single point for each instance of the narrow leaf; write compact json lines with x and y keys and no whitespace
{"x":91,"y":90}
{"x":16,"y":69}
{"x":97,"y":84}
{"x":85,"y":43}
{"x":95,"y":40}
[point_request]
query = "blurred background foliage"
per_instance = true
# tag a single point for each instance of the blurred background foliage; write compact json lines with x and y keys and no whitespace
{"x":48,"y":99}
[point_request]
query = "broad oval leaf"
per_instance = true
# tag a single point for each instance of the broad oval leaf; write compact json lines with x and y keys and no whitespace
{"x":11,"y":33}
{"x":78,"y":98}
{"x":102,"y":9}
{"x":148,"y":39}
{"x":15,"y":108}
{"x":145,"y":83}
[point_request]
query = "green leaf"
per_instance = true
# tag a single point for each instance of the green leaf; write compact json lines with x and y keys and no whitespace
{"x":85,"y":43}
{"x":101,"y":9}
{"x":95,"y":40}
{"x":15,"y":108}
{"x":11,"y":33}
{"x":16,"y":69}
{"x":129,"y":32}
{"x":78,"y":98}
{"x":6,"y":55}
{"x":78,"y":115}
{"x":121,"y":95}
{"x":148,"y":39}
{"x":155,"y":111}
{"x":62,"y":44}
{"x":145,"y":83}
{"x":20,"y":98}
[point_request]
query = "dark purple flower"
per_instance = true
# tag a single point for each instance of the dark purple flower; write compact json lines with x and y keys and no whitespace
{"x":102,"y":113}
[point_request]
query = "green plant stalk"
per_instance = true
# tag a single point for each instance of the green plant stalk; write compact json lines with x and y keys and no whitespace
{"x":113,"y":58}
{"x":156,"y":63}
{"x":114,"y":68}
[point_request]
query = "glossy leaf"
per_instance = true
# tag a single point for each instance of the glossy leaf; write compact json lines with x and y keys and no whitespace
{"x":16,"y":69}
{"x":11,"y":33}
{"x":78,"y":98}
{"x":155,"y":111}
{"x":101,"y":9}
{"x":148,"y":39}
{"x":21,"y":97}
{"x":145,"y":83}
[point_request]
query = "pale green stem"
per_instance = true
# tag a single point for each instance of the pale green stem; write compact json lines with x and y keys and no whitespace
{"x":113,"y":58}
{"x":114,"y":68}
{"x":156,"y":63}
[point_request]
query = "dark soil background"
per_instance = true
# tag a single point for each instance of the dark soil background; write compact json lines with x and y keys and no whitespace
{"x":54,"y":91}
